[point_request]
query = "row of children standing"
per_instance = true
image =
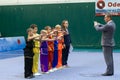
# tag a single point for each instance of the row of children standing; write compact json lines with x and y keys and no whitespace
{"x":52,"y":45}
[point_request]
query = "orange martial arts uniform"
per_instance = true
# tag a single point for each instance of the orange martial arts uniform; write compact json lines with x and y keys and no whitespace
{"x":60,"y":47}
{"x":50,"y":53}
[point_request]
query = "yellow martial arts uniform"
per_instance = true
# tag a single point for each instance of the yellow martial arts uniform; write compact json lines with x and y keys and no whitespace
{"x":36,"y":51}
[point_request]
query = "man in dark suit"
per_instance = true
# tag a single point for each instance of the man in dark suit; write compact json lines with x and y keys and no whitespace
{"x":107,"y":42}
{"x":67,"y":42}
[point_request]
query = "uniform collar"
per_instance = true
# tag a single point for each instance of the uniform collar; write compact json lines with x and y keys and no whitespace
{"x":109,"y":21}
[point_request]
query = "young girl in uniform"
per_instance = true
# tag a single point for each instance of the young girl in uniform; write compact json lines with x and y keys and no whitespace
{"x":55,"y":54}
{"x":36,"y":50}
{"x":50,"y":48}
{"x":60,"y":46}
{"x":44,"y":51}
{"x":28,"y":54}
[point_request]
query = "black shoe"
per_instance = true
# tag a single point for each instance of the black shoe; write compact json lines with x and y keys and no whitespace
{"x":106,"y":74}
{"x":29,"y":77}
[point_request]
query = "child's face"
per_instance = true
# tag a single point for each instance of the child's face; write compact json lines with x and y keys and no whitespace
{"x":30,"y":33}
{"x":43,"y":33}
{"x":66,"y":24}
{"x":53,"y":29}
{"x":58,"y":28}
{"x":35,"y":30}
{"x":49,"y":30}
{"x":55,"y":33}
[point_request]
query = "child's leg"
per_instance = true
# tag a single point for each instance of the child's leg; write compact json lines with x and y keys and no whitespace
{"x":35,"y":60}
{"x":50,"y":59}
{"x":59,"y":59}
{"x":64,"y":57}
{"x":44,"y":63}
{"x":66,"y":54}
{"x":31,"y":66}
{"x":28,"y":67}
{"x":41,"y":63}
{"x":55,"y":59}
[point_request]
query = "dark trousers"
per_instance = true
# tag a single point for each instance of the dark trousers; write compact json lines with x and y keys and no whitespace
{"x":65,"y":53}
{"x":28,"y":67}
{"x":108,"y":55}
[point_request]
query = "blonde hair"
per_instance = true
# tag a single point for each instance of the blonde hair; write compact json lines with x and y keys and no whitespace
{"x":43,"y":31}
{"x":58,"y":26}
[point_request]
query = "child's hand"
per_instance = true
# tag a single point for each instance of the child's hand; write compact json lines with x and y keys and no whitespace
{"x":59,"y":38}
{"x":64,"y":46}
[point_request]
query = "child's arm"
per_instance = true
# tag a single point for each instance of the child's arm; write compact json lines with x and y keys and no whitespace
{"x":31,"y":37}
{"x":47,"y":39}
{"x":60,"y":37}
{"x":37,"y":37}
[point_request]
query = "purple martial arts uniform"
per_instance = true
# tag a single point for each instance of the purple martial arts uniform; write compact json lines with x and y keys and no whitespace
{"x":44,"y":56}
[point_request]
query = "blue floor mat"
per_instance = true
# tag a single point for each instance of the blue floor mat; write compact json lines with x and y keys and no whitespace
{"x":84,"y":65}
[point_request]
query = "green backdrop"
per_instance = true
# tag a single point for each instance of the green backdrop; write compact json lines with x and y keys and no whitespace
{"x":15,"y":19}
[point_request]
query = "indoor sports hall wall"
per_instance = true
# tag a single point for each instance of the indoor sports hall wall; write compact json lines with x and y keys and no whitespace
{"x":14,"y":20}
